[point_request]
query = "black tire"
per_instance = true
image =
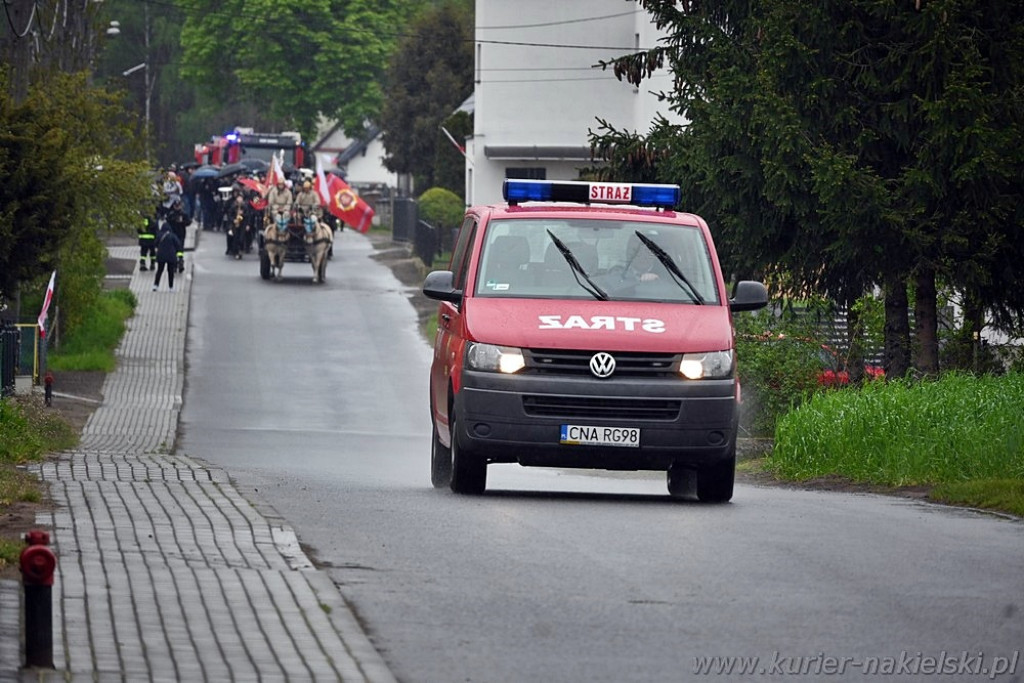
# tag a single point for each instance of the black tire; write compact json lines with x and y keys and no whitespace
{"x":264,"y":265}
{"x":440,"y":462}
{"x":682,"y":482}
{"x":715,"y":482}
{"x":469,"y":470}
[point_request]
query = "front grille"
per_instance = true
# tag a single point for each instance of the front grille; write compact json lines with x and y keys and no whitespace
{"x":624,"y":409}
{"x":575,"y":363}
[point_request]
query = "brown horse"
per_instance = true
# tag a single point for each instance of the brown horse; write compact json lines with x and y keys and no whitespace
{"x":275,"y":240}
{"x":318,"y":246}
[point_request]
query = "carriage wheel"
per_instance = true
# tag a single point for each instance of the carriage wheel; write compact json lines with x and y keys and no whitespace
{"x":264,"y":265}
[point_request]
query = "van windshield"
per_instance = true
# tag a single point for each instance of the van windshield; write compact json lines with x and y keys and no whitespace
{"x":606,"y":259}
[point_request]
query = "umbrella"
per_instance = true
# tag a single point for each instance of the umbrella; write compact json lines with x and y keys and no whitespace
{"x":206,"y":172}
{"x":189,"y":164}
{"x":253,"y":185}
{"x":255,"y":164}
{"x":231,"y":169}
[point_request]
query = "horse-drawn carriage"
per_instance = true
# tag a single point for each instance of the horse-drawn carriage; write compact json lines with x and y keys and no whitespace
{"x":295,"y":237}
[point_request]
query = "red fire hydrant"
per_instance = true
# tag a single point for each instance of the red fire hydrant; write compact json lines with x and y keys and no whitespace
{"x":38,"y":564}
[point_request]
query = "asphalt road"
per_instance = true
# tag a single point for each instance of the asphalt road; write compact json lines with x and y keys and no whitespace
{"x":314,"y":398}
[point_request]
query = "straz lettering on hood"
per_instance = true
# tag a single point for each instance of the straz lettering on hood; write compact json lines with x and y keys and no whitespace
{"x":601,"y":322}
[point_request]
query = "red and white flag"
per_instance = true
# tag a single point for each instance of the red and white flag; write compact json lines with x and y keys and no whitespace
{"x":46,"y":305}
{"x":344,"y":203}
{"x":322,"y":188}
{"x":276,"y":172}
{"x":461,"y":148}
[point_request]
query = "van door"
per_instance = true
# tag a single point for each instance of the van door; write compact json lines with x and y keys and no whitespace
{"x":450,"y":337}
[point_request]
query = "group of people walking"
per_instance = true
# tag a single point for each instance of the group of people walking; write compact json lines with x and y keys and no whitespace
{"x":162,"y":233}
{"x":218,"y":204}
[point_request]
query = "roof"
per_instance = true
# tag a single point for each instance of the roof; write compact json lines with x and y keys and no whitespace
{"x":357,"y":147}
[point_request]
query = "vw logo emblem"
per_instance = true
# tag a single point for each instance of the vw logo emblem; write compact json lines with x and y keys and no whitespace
{"x":602,"y":364}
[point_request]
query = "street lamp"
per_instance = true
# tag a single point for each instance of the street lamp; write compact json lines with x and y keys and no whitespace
{"x":148,"y":85}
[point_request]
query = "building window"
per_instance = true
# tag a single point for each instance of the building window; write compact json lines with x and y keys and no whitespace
{"x":540,"y":173}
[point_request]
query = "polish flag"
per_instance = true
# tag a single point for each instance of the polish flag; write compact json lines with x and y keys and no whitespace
{"x":276,"y":172}
{"x":46,"y":305}
{"x":322,"y":187}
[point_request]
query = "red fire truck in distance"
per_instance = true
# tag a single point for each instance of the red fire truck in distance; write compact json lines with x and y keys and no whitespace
{"x":242,"y":143}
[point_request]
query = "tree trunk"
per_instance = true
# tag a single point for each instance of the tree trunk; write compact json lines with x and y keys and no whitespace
{"x":855,"y":339}
{"x":970,"y":331}
{"x":897,"y":328}
{"x":926,"y":324}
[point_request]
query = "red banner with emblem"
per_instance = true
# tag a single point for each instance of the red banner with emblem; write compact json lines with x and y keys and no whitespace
{"x":347,"y":205}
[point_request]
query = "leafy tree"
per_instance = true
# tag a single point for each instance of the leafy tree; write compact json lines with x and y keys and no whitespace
{"x":848,"y":144}
{"x":298,"y":61}
{"x":64,"y":153}
{"x":430,"y":75}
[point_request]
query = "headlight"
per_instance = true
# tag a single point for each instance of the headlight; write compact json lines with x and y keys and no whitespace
{"x":710,"y":365}
{"x":491,"y":358}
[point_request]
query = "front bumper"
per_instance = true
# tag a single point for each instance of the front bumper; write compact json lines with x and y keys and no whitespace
{"x":510,"y":418}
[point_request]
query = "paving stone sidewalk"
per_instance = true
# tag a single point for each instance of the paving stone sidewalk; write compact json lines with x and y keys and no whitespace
{"x":165,"y":572}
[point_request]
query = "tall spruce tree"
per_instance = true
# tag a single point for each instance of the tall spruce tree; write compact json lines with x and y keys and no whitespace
{"x":849,"y":144}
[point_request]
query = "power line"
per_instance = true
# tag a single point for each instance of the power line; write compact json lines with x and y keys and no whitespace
{"x":559,"y":23}
{"x":247,"y":16}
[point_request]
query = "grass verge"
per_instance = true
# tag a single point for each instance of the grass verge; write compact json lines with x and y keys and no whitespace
{"x":93,"y":344}
{"x":29,"y":431}
{"x":962,"y":436}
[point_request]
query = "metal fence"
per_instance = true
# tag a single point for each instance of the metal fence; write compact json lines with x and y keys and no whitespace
{"x":426,"y":242}
{"x":10,"y":343}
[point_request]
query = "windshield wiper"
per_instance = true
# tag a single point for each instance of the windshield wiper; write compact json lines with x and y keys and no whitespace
{"x":670,"y":265}
{"x":578,"y":270}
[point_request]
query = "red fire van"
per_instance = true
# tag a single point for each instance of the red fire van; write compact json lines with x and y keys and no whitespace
{"x":586,"y":325}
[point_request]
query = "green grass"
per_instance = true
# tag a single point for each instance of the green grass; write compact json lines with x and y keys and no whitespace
{"x":962,"y":435}
{"x":1006,"y":495}
{"x":28,"y":431}
{"x":958,"y":428}
{"x":92,"y":346}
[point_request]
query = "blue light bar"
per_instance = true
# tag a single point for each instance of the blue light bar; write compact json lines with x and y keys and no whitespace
{"x":665,"y":196}
{"x":660,"y":196}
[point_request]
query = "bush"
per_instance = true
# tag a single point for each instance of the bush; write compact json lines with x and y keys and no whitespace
{"x":441,"y":208}
{"x":779,"y":364}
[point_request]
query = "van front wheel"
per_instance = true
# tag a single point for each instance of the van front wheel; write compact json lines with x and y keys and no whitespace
{"x":469,"y":470}
{"x":440,"y":463}
{"x":715,"y":482}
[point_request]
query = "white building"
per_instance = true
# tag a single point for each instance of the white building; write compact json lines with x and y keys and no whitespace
{"x":361,"y":160}
{"x":538,"y":91}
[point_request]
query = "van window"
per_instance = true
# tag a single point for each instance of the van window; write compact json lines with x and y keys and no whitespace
{"x":460,"y":256}
{"x":522,"y":258}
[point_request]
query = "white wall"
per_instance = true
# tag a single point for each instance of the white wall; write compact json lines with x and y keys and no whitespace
{"x":364,"y":169}
{"x":544,"y":91}
{"x":368,"y":167}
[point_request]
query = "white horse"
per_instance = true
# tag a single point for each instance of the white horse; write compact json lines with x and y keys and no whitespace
{"x":318,"y":245}
{"x":275,"y":241}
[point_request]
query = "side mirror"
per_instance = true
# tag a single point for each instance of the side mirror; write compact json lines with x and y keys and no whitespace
{"x":440,"y":285}
{"x":748,"y":296}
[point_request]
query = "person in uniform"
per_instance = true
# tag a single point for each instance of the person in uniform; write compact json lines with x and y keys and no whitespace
{"x":168,"y":246}
{"x":239,"y":225}
{"x":147,"y":242}
{"x":178,"y":222}
{"x":279,"y":202}
{"x":308,"y":201}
